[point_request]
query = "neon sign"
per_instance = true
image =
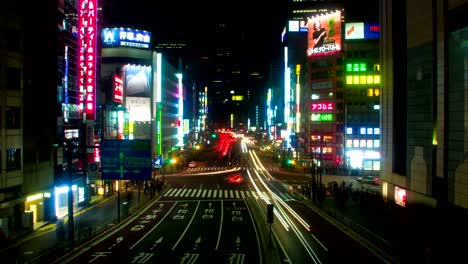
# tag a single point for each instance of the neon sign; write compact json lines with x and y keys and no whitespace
{"x":125,"y":37}
{"x":87,"y":57}
{"x":322,"y":117}
{"x":322,"y":106}
{"x":118,"y":88}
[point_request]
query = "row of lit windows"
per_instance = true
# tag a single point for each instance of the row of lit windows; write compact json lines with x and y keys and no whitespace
{"x":362,"y":79}
{"x":317,"y":138}
{"x":370,"y":92}
{"x":363,"y":143}
{"x":373,"y":92}
{"x":364,"y":131}
{"x":325,"y":150}
{"x":360,"y":67}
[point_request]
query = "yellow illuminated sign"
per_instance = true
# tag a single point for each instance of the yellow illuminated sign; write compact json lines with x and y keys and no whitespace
{"x":237,"y":97}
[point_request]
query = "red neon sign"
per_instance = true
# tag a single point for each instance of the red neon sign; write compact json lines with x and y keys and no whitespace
{"x":374,"y":28}
{"x":87,"y":41}
{"x":322,"y":106}
{"x":118,"y":88}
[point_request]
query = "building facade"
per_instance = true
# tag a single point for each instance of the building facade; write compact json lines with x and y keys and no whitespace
{"x":424,"y":56}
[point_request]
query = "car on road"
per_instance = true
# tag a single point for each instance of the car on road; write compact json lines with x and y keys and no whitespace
{"x":235,"y":179}
{"x":368,"y":180}
{"x":192,"y":164}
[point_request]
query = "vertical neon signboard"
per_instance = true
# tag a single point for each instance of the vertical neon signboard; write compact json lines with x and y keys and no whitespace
{"x":118,"y":88}
{"x":87,"y":25}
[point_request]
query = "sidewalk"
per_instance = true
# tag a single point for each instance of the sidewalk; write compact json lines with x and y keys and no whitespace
{"x":45,"y":243}
{"x":415,"y":234}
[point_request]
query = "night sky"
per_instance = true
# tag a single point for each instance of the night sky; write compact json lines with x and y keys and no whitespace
{"x":192,"y":21}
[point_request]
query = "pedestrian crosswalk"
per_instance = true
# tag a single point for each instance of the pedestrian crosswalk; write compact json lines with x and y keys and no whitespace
{"x":214,"y":168}
{"x":217,"y":194}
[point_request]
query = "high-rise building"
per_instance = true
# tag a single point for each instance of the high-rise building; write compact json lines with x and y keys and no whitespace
{"x":362,"y":91}
{"x":314,"y":93}
{"x":41,"y":101}
{"x":424,"y":91}
{"x":233,"y":82}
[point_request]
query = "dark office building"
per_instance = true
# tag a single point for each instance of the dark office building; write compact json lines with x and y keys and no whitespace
{"x":424,"y":103}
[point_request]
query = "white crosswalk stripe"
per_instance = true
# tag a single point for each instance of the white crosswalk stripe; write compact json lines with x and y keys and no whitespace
{"x":218,"y":194}
{"x":209,"y":168}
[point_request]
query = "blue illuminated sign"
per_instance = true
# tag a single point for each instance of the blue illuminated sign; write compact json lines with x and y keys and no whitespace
{"x":126,"y":159}
{"x":371,"y":30}
{"x":125,"y":37}
{"x":158,"y":162}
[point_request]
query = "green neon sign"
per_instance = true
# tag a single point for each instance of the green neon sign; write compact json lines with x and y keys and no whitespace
{"x":322,"y":117}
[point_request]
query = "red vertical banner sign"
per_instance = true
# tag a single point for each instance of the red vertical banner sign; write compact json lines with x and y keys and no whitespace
{"x":87,"y":42}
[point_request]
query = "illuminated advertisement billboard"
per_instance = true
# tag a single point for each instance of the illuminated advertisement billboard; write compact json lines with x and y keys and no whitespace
{"x":324,"y":36}
{"x":297,"y":26}
{"x":361,"y":30}
{"x":139,"y":108}
{"x":125,"y":37}
{"x":87,"y":43}
{"x":118,"y":88}
{"x":137,"y":80}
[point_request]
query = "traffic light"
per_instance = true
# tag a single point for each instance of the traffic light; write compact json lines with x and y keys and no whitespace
{"x":213,"y":135}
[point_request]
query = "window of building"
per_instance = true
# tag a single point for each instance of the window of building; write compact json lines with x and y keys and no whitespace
{"x":13,"y":79}
{"x":13,"y":159}
{"x":362,"y":143}
{"x":356,"y":79}
{"x":13,"y":41}
{"x":369,"y":131}
{"x":339,"y":84}
{"x":376,"y":79}
{"x":377,"y":131}
{"x":339,"y":73}
{"x":356,"y":143}
{"x":339,"y":106}
{"x":362,"y":79}
{"x":13,"y":117}
{"x":369,"y":143}
{"x":362,"y":130}
{"x":376,"y":143}
{"x":349,"y":130}
{"x":349,"y":143}
{"x":376,"y":92}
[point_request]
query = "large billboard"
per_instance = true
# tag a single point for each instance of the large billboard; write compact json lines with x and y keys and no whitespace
{"x":324,"y":34}
{"x":87,"y":44}
{"x":137,"y":80}
{"x":125,"y":37}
